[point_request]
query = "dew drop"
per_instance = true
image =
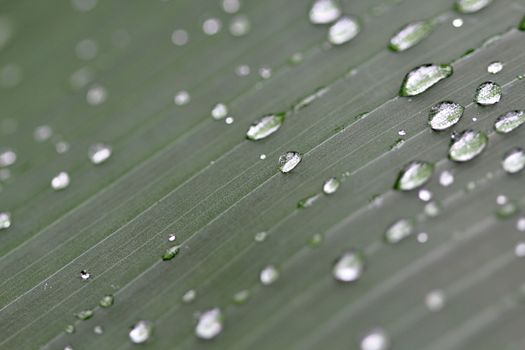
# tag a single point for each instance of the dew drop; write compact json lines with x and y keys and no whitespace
{"x":413,"y":175}
{"x":182,"y":98}
{"x":331,"y":185}
{"x":180,"y":37}
{"x":435,"y":300}
{"x":219,"y":111}
{"x":240,"y":25}
{"x":84,"y":315}
{"x":446,"y":178}
{"x":98,"y":153}
{"x":209,"y":324}
{"x":519,"y":250}
{"x":265,"y":72}
{"x":288,"y":161}
{"x":422,"y":237}
{"x":399,"y":230}
{"x":241,"y":296}
{"x":432,"y":209}
{"x":349,"y":266}
{"x":231,"y":6}
{"x":457,"y":22}
{"x":61,"y":147}
{"x":140,"y":332}
{"x":269,"y":275}
{"x":316,"y":240}
{"x":172,"y":237}
{"x":342,"y":31}
{"x":189,"y":296}
{"x":410,"y":35}
{"x":229,"y":120}
{"x":86,"y":49}
{"x":262,"y":156}
{"x":98,"y":330}
{"x":495,"y":67}
{"x":5,"y":220}
{"x":171,"y":253}
{"x":81,"y":77}
{"x":84,"y":275}
{"x":444,"y":114}
{"x":471,"y":6}
{"x":424,"y":195}
{"x":60,"y":181}
{"x":520,"y":224}
{"x":260,"y":236}
{"x":467,"y":145}
{"x":7,"y":157}
{"x":265,"y":126}
{"x":509,"y":121}
{"x":488,"y":93}
{"x":107,"y":301}
{"x":423,"y":77}
{"x":513,"y":161}
{"x":42,"y":133}
{"x":376,"y":339}
{"x":70,"y":329}
{"x":324,"y":11}
{"x":96,"y":95}
{"x":307,"y":202}
{"x":211,"y":26}
{"x":84,"y":5}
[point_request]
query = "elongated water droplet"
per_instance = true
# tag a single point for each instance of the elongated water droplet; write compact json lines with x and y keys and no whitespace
{"x":241,"y":296}
{"x":219,"y":111}
{"x":324,"y":11}
{"x":331,"y":185}
{"x":413,"y":175}
{"x":210,"y":324}
{"x":410,"y":35}
{"x":189,"y":296}
{"x":7,"y":157}
{"x":308,"y":201}
{"x":269,"y":275}
{"x":171,"y":253}
{"x":265,"y":126}
{"x":377,"y":339}
{"x":468,"y":145}
{"x":513,"y":161}
{"x":444,"y":114}
{"x":60,"y":181}
{"x":342,"y":31}
{"x":98,"y":153}
{"x":488,"y":93}
{"x":5,"y":220}
{"x":140,"y":332}
{"x":84,"y":315}
{"x":288,"y":161}
{"x":471,"y":6}
{"x":423,"y":77}
{"x":349,"y":267}
{"x":399,"y":230}
{"x":509,"y":121}
{"x":495,"y":67}
{"x":107,"y":301}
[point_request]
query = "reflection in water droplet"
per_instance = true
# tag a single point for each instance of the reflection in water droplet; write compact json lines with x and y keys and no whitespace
{"x":99,"y":153}
{"x":107,"y":301}
{"x":444,"y":114}
{"x":5,"y":220}
{"x":269,"y":275}
{"x":509,"y":121}
{"x":488,"y":93}
{"x":513,"y":161}
{"x":349,"y":267}
{"x":140,"y":332}
{"x":98,"y":330}
{"x":265,"y":126}
{"x":413,"y":175}
{"x":425,"y":195}
{"x":308,"y":201}
{"x":471,"y":6}
{"x":457,"y":22}
{"x":331,"y":185}
{"x":435,"y":300}
{"x":288,"y":161}
{"x":424,"y":77}
{"x":60,"y":181}
{"x":399,"y":230}
{"x":410,"y":35}
{"x":172,"y":237}
{"x":324,"y":11}
{"x":84,"y":275}
{"x":209,"y":325}
{"x":342,"y":31}
{"x":468,"y":145}
{"x":376,"y":339}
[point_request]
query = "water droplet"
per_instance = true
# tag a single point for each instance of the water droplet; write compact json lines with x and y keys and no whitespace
{"x":86,"y":49}
{"x":376,"y":339}
{"x":425,"y":195}
{"x":7,"y":157}
{"x":70,"y":329}
{"x":495,"y":67}
{"x":107,"y":301}
{"x":457,"y":22}
{"x":84,"y":5}
{"x":140,"y":332}
{"x":471,"y":6}
{"x":219,"y":111}
{"x":349,"y":267}
{"x":519,"y":250}
{"x":307,"y":202}
{"x":182,"y":98}
{"x":81,"y":77}
{"x":60,"y":181}
{"x":402,"y":132}
{"x":262,"y":156}
{"x":98,"y":153}
{"x":5,"y":220}
{"x":211,"y":26}
{"x":399,"y":230}
{"x":98,"y":330}
{"x":260,"y":236}
{"x":180,"y":37}
{"x":422,"y":237}
{"x":467,"y":145}
{"x":342,"y":31}
{"x":316,"y":240}
{"x":269,"y":275}
{"x":84,"y":315}
{"x":413,"y":175}
{"x":172,"y":237}
{"x":171,"y":253}
{"x":435,"y":300}
{"x":501,"y":199}
{"x":509,"y":121}
{"x":513,"y":161}
{"x":231,"y":6}
{"x":324,"y":11}
{"x":240,"y":25}
{"x":410,"y":35}
{"x":96,"y":95}
{"x":520,"y":224}
{"x":189,"y":296}
{"x":229,"y":120}
{"x":488,"y":93}
{"x":68,"y":347}
{"x":209,"y":324}
{"x":84,"y":275}
{"x":288,"y":161}
{"x":446,"y":178}
{"x":243,"y":70}
{"x":432,"y":209}
{"x":265,"y":126}
{"x":444,"y":114}
{"x":61,"y":147}
{"x":265,"y":72}
{"x":331,"y":185}
{"x":241,"y":296}
{"x":42,"y":133}
{"x":423,"y":77}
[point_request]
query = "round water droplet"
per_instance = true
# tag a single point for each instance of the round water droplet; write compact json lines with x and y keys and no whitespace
{"x":60,"y":181}
{"x":99,"y":153}
{"x":229,"y":120}
{"x":219,"y":111}
{"x":182,"y":98}
{"x":42,"y":133}
{"x":509,"y":121}
{"x":410,"y":35}
{"x":98,"y":330}
{"x":324,"y":11}
{"x":5,"y":220}
{"x":519,"y":250}
{"x":288,"y":161}
{"x":189,"y":296}
{"x":262,"y":156}
{"x":240,"y":25}
{"x":7,"y":157}
{"x":376,"y":339}
{"x":84,"y":275}
{"x":349,"y":267}
{"x":171,"y":253}
{"x":107,"y":301}
{"x":61,"y":147}
{"x":265,"y":126}
{"x":414,"y":175}
{"x":444,"y":114}
{"x":140,"y":332}
{"x":241,"y":296}
{"x":425,"y":195}
{"x":399,"y":230}
{"x":488,"y":93}
{"x":211,"y":26}
{"x":265,"y":72}
{"x":422,"y":237}
{"x":520,"y":224}
{"x":446,"y":178}
{"x":435,"y":300}
{"x":457,"y":22}
{"x":424,"y":77}
{"x":513,"y":161}
{"x":468,"y":145}
{"x":84,"y":315}
{"x":231,"y":6}
{"x":269,"y":275}
{"x":243,"y":70}
{"x":86,"y":49}
{"x":471,"y":6}
{"x":180,"y":37}
{"x":331,"y":185}
{"x":495,"y":67}
{"x":260,"y":236}
{"x":84,"y":5}
{"x":96,"y":95}
{"x":342,"y":31}
{"x":209,"y":324}
{"x":432,"y":209}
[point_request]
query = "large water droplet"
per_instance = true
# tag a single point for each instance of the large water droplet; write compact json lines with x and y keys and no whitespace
{"x":423,"y":77}
{"x":445,"y":114}
{"x":342,"y":31}
{"x":269,"y":275}
{"x":107,"y":301}
{"x":171,"y":253}
{"x":288,"y":161}
{"x":265,"y":126}
{"x":324,"y":11}
{"x":467,"y":145}
{"x":5,"y":220}
{"x":84,"y":315}
{"x":210,"y":324}
{"x":413,"y":175}
{"x":513,"y":161}
{"x":140,"y":332}
{"x":7,"y":157}
{"x":509,"y":121}
{"x":349,"y":267}
{"x":331,"y":185}
{"x":410,"y":35}
{"x":399,"y":230}
{"x":471,"y":6}
{"x":488,"y":93}
{"x":60,"y":181}
{"x":98,"y":153}
{"x":376,"y":339}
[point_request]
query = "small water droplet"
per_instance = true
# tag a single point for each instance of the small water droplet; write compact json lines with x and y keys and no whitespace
{"x":243,"y":70}
{"x":61,"y":147}
{"x":7,"y":157}
{"x":399,"y":230}
{"x":84,"y":315}
{"x":265,"y":72}
{"x":180,"y":37}
{"x":471,"y":6}
{"x":5,"y":220}
{"x":413,"y":175}
{"x":182,"y":98}
{"x":84,"y":275}
{"x":241,"y":296}
{"x":172,"y":237}
{"x":171,"y":253}
{"x":60,"y":181}
{"x":467,"y":145}
{"x":422,"y":237}
{"x":444,"y":114}
{"x":495,"y":67}
{"x":344,"y":30}
{"x":435,"y":300}
{"x":70,"y":329}
{"x":189,"y":296}
{"x":140,"y":332}
{"x":519,"y":250}
{"x":432,"y":209}
{"x":308,"y":201}
{"x":457,"y":22}
{"x":211,"y":26}
{"x":402,"y":132}
{"x":86,"y":49}
{"x":260,"y":236}
{"x":42,"y":133}
{"x":288,"y":161}
{"x":96,"y":95}
{"x":210,"y":324}
{"x":269,"y":275}
{"x":98,"y":153}
{"x":349,"y":266}
{"x":219,"y":111}
{"x":324,"y":11}
{"x":316,"y":240}
{"x":377,"y":339}
{"x":98,"y":330}
{"x":331,"y":185}
{"x":509,"y":121}
{"x":520,"y":224}
{"x":446,"y":178}
{"x":231,"y":6}
{"x":81,"y":77}
{"x":424,"y":77}
{"x":107,"y":301}
{"x":513,"y":161}
{"x":68,"y":347}
{"x":262,"y":157}
{"x":84,"y":5}
{"x":229,"y":120}
{"x":488,"y":93}
{"x":425,"y":195}
{"x":265,"y":126}
{"x":410,"y":35}
{"x":240,"y":25}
